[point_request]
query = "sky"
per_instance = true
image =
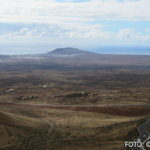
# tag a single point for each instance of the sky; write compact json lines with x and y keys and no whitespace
{"x":39,"y":26}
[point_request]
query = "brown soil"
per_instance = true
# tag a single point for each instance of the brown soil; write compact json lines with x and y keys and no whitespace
{"x":131,"y":111}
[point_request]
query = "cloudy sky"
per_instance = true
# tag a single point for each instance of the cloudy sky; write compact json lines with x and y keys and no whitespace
{"x":85,"y":24}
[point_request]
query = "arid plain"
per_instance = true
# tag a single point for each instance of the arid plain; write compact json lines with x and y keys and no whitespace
{"x":73,"y":81}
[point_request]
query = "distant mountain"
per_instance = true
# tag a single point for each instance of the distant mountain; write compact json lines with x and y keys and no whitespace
{"x":74,"y":56}
{"x":70,"y":51}
{"x":59,"y":52}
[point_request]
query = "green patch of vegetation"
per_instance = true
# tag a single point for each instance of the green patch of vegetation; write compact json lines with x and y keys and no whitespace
{"x":68,"y":133}
{"x":80,"y":94}
{"x":29,"y":113}
{"x":19,"y":98}
{"x":51,"y":113}
{"x":8,"y":131}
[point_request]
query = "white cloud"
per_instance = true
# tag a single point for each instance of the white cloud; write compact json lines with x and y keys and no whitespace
{"x":63,"y":30}
{"x":70,"y":20}
{"x":23,"y":30}
{"x":76,"y":31}
{"x":125,"y":33}
{"x":43,"y":33}
{"x":31,"y":32}
{"x":146,"y":38}
{"x":48,"y":11}
{"x":72,"y":31}
{"x":6,"y":35}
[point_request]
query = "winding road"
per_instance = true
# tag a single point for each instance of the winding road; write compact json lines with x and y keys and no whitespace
{"x":142,"y":131}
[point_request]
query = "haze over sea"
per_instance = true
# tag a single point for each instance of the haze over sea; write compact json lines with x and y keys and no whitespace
{"x":13,"y":50}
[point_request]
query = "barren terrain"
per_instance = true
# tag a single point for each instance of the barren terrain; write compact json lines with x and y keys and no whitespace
{"x":65,"y":82}
{"x":45,"y":128}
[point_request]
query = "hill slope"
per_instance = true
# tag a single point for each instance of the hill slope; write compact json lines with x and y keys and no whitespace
{"x":70,"y":51}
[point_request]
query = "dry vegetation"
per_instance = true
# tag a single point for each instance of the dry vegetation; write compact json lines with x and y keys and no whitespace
{"x":113,"y":87}
{"x":71,"y":128}
{"x":43,"y":128}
